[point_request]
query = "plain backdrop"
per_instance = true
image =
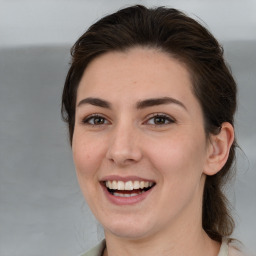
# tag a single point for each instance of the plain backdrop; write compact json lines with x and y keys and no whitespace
{"x":42,"y":211}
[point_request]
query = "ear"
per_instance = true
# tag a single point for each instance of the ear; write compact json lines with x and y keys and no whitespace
{"x":218,"y":149}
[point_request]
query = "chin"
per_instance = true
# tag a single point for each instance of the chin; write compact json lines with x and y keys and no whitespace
{"x":128,"y":229}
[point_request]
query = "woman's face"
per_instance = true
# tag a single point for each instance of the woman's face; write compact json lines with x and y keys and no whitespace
{"x":139,"y":144}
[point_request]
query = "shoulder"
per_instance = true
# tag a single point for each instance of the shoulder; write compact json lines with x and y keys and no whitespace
{"x":235,"y":250}
{"x":231,"y":247}
{"x":97,"y":250}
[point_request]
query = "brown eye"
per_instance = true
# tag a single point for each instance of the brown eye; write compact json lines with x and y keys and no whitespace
{"x":95,"y":120}
{"x":98,"y":120}
{"x":160,"y":120}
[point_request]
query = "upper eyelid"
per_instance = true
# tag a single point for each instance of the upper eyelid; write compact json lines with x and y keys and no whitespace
{"x":161,"y":115}
{"x":152,"y":115}
{"x":95,"y":115}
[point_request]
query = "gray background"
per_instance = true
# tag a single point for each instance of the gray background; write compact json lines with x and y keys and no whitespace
{"x":42,"y":211}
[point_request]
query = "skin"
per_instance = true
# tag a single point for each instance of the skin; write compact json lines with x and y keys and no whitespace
{"x":128,"y":141}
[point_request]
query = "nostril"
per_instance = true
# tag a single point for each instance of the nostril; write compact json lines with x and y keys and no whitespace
{"x":124,"y":147}
{"x":124,"y":157}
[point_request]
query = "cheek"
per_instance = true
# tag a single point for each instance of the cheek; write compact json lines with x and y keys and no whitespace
{"x":179,"y":163}
{"x":180,"y":156}
{"x":87,"y":154}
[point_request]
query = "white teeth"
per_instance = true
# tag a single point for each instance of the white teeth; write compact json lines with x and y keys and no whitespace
{"x":126,"y":195}
{"x":129,"y":185}
{"x":109,"y":184}
{"x":136,"y":184}
{"x":120,"y":185}
{"x":114,"y":184}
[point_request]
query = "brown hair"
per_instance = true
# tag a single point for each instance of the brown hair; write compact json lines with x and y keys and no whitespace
{"x":186,"y":40}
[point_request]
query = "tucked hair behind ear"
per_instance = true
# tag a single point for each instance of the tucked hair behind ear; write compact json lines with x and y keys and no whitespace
{"x":185,"y":39}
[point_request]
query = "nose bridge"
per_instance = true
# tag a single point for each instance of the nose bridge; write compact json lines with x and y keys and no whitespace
{"x":123,"y":145}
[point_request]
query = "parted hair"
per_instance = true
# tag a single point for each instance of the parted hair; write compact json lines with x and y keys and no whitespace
{"x":186,"y":40}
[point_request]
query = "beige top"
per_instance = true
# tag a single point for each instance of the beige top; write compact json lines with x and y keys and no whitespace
{"x":229,"y":250}
{"x":225,"y":250}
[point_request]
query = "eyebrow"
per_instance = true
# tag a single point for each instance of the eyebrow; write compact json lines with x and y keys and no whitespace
{"x":140,"y":104}
{"x":96,"y":102}
{"x":158,"y":101}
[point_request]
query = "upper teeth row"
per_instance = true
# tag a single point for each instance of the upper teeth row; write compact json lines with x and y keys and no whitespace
{"x":128,"y":185}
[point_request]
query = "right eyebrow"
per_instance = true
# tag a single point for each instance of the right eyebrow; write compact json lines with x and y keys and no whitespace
{"x":95,"y":102}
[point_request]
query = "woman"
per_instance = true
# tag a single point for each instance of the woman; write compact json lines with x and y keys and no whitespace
{"x":149,"y":103}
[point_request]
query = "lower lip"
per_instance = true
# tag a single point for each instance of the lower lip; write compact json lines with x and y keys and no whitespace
{"x":118,"y":200}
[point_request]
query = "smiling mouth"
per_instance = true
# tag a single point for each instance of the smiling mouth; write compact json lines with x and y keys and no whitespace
{"x":129,"y":188}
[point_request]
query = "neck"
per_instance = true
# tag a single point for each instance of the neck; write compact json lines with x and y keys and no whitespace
{"x":186,"y":240}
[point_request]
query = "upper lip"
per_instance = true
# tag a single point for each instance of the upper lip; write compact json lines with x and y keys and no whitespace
{"x":124,"y":178}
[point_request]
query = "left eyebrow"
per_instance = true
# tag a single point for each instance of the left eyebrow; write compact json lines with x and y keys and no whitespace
{"x":158,"y":101}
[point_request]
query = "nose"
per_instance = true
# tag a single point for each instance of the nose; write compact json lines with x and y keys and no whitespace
{"x":124,"y":147}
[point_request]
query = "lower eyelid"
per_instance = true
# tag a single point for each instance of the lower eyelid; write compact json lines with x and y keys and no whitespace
{"x":166,"y":117}
{"x":87,"y":119}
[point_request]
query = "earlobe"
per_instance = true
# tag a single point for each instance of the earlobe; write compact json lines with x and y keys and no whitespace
{"x":218,"y":149}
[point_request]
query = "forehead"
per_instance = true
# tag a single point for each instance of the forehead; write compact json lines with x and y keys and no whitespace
{"x":141,"y":72}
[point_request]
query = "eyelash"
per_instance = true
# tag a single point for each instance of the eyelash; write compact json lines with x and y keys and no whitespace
{"x":163,"y":117}
{"x":93,"y":117}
